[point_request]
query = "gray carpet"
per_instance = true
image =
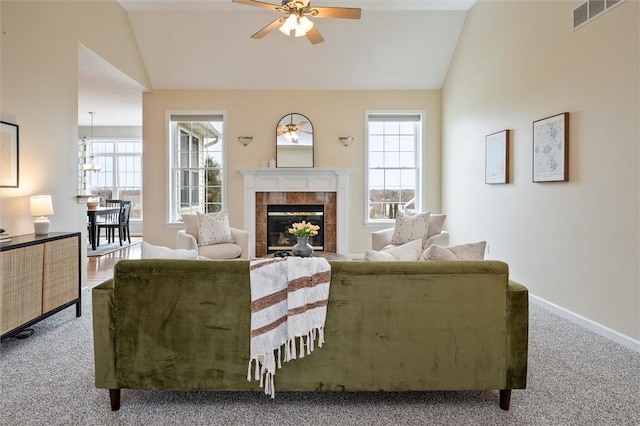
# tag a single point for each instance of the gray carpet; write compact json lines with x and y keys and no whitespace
{"x":575,"y":378}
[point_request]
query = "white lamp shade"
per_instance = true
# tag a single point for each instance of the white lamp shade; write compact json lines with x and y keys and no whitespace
{"x":41,"y":205}
{"x":306,"y":24}
{"x":289,"y":24}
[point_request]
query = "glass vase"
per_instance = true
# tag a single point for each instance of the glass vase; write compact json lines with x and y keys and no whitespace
{"x":302,"y":248}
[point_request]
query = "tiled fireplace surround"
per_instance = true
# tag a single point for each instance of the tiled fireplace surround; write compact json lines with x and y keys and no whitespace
{"x":327,"y":186}
{"x":263,"y":199}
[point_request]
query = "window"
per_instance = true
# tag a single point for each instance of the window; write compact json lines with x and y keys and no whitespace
{"x":120,"y":175}
{"x":196,"y":163}
{"x":393,"y":164}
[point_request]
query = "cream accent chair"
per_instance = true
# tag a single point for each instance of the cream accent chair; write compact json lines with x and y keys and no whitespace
{"x":382,"y":239}
{"x":188,"y":239}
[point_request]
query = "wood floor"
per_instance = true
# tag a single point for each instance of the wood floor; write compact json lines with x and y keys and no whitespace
{"x":100,"y":268}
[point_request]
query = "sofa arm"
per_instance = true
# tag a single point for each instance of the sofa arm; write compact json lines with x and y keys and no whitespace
{"x":241,"y":238}
{"x":517,"y":338}
{"x":104,"y":349}
{"x":382,"y":238}
{"x":186,"y":241}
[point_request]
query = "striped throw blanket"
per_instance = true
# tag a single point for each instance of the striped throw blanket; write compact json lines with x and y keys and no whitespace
{"x":288,"y":302}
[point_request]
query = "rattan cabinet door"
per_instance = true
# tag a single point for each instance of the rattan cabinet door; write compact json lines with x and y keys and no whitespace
{"x":60,"y":283}
{"x":20,"y":286}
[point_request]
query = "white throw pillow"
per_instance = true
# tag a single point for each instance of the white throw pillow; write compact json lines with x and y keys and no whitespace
{"x":407,"y":251}
{"x":470,"y":251}
{"x":378,"y":256}
{"x":213,"y":228}
{"x":149,"y":251}
{"x":410,"y":228}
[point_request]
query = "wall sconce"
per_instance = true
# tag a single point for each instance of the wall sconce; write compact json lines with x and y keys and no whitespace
{"x":346,"y":140}
{"x":41,"y":206}
{"x":245,"y":140}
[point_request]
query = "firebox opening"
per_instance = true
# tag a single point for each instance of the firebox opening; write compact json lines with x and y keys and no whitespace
{"x":280,"y":217}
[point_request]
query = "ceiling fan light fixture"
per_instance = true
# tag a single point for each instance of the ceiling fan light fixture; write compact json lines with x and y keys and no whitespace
{"x":304,"y":25}
{"x":291,"y":136}
{"x":284,"y":30}
{"x":290,"y":24}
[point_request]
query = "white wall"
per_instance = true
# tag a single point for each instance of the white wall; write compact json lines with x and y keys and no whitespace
{"x":256,"y":113}
{"x":40,"y":93}
{"x":574,"y":244}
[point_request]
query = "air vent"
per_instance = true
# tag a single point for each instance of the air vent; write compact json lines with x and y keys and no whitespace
{"x":591,"y":10}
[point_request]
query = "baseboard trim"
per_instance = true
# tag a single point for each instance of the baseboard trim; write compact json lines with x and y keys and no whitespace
{"x":600,"y":329}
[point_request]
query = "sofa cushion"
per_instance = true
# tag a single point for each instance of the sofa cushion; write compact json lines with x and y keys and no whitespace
{"x":149,"y":251}
{"x":213,"y":228}
{"x":410,"y":228}
{"x":436,"y":221}
{"x":220,"y":251}
{"x":470,"y":251}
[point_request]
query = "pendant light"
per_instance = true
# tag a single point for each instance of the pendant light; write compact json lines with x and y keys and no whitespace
{"x":91,"y":166}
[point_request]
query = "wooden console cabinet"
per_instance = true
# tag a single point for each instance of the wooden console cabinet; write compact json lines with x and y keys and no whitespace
{"x":39,"y":276}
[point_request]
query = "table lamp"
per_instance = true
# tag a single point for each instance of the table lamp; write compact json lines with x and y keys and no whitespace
{"x":41,"y":206}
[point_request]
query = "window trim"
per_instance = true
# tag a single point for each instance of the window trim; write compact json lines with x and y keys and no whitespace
{"x":170,"y":178}
{"x":420,"y":161}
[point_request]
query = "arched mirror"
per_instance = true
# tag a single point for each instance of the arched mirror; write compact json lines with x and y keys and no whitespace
{"x":294,"y":141}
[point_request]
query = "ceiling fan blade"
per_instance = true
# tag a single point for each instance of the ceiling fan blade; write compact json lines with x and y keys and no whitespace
{"x":338,"y":12}
{"x":314,"y":36}
{"x":266,"y":30}
{"x":302,"y":123}
{"x":257,"y":4}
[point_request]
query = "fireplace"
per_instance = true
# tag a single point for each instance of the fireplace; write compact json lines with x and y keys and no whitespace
{"x":326,"y":186}
{"x":287,"y":208}
{"x":280,"y":217}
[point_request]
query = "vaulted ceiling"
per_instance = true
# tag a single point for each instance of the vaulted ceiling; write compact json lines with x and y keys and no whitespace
{"x":206,"y":44}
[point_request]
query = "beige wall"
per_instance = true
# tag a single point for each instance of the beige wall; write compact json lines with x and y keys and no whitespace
{"x":574,"y":244}
{"x":40,"y":93}
{"x":256,"y":113}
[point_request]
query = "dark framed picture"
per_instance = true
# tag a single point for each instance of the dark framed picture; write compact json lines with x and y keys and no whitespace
{"x":496,"y":157}
{"x":9,"y":144}
{"x":551,"y":149}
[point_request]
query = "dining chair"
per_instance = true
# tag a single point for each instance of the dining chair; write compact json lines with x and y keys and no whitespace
{"x":119,"y":221}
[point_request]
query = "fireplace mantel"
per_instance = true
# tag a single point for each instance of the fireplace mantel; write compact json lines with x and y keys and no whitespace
{"x":317,"y":179}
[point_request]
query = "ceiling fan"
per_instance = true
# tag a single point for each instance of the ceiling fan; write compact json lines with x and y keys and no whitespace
{"x":296,"y":17}
{"x":290,"y":131}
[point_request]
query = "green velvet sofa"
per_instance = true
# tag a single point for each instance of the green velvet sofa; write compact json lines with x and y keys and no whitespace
{"x":391,"y":326}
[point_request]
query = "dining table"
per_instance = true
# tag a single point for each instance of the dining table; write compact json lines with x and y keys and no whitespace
{"x":92,"y":215}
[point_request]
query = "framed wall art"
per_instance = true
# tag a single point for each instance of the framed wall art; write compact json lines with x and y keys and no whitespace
{"x":9,"y":143}
{"x":496,"y":157}
{"x":551,"y":149}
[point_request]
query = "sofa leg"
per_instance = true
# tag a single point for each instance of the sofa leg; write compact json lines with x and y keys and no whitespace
{"x":114,"y":397}
{"x":505,"y":398}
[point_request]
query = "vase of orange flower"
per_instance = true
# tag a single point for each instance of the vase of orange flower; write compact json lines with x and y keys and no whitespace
{"x":303,"y":230}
